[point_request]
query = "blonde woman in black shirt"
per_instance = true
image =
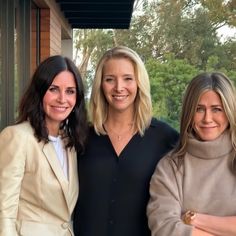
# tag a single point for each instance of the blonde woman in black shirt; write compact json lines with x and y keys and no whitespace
{"x":125,"y":144}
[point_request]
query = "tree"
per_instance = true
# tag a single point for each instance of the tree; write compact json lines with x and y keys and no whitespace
{"x":175,"y":38}
{"x":168,"y":82}
{"x":89,"y":45}
{"x":185,"y":28}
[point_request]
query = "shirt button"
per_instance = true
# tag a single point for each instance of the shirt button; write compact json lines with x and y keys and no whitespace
{"x":111,"y":222}
{"x":65,"y":225}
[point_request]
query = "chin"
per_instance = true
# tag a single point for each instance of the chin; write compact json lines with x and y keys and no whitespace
{"x":209,"y":138}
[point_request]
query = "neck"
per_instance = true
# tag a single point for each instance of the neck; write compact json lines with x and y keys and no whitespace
{"x":53,"y":130}
{"x":119,"y":119}
{"x":210,"y":149}
{"x":120,"y":125}
{"x":119,"y":130}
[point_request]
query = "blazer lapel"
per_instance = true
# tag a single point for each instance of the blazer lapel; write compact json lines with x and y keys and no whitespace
{"x":50,"y":154}
{"x":73,"y":178}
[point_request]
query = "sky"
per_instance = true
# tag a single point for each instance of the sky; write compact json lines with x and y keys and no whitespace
{"x":226,"y":32}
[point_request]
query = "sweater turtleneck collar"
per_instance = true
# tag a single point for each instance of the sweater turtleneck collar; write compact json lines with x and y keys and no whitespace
{"x":210,"y":149}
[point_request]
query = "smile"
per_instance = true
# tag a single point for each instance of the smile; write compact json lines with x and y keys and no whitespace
{"x":119,"y":97}
{"x":59,"y":108}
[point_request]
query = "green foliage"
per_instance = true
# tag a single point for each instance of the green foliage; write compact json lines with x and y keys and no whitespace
{"x":176,"y":39}
{"x":88,"y":83}
{"x":220,"y":12}
{"x":232,"y":76}
{"x":168,"y":82}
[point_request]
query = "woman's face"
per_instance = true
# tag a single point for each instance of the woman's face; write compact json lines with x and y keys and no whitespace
{"x":59,"y":100}
{"x":210,"y":120}
{"x":119,"y":84}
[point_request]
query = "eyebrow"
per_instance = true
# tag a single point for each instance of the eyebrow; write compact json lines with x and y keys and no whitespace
{"x":115,"y":75}
{"x":59,"y":86}
{"x":215,"y":105}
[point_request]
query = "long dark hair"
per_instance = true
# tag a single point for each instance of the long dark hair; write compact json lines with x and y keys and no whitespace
{"x":31,"y":105}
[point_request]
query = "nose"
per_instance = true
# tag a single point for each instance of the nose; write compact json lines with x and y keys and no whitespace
{"x":208,"y":116}
{"x":61,"y":97}
{"x":119,"y":85}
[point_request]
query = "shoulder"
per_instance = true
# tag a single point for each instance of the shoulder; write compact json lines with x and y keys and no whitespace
{"x":167,"y":166}
{"x":20,"y":131}
{"x":93,"y":136}
{"x":162,"y":128}
{"x":168,"y":160}
{"x":160,"y":124}
{"x":92,"y":131}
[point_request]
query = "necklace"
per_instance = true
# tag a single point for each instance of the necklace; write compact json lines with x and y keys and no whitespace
{"x":120,"y":136}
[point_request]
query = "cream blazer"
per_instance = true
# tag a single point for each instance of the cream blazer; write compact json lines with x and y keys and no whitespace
{"x":36,"y":199}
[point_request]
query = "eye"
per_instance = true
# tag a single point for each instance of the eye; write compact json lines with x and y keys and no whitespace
{"x":200,"y":109}
{"x":217,"y":109}
{"x":53,"y":89}
{"x":70,"y":91}
{"x":108,"y":79}
{"x":129,"y":78}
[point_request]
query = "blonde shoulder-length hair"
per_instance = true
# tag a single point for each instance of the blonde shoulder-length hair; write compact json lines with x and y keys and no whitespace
{"x":143,"y":105}
{"x":224,"y":87}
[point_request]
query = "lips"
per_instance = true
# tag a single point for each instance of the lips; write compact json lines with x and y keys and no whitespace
{"x":56,"y":108}
{"x":119,"y":97}
{"x":206,"y":127}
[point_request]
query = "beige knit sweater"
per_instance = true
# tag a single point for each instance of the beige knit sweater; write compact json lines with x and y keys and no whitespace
{"x":204,"y":183}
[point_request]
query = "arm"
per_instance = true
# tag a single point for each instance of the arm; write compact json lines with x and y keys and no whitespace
{"x":199,"y":232}
{"x":220,"y":226}
{"x":164,"y":207}
{"x":11,"y":174}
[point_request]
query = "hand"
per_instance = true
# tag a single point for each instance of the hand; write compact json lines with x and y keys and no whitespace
{"x":188,"y":217}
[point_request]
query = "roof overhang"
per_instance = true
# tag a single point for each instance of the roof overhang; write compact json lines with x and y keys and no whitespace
{"x":99,"y":14}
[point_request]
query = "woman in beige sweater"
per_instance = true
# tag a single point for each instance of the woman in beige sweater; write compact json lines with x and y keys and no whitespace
{"x":193,"y":189}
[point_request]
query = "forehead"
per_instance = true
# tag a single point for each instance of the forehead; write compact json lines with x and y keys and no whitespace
{"x":118,"y":62}
{"x":65,"y":78}
{"x":210,"y":98}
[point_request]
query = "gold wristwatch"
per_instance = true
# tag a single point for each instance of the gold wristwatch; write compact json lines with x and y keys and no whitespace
{"x":188,"y":217}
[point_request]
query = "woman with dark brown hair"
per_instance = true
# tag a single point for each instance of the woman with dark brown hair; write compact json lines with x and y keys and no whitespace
{"x":38,"y":162}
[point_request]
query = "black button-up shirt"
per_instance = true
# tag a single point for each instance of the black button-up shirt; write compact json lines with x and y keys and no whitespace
{"x":114,"y":191}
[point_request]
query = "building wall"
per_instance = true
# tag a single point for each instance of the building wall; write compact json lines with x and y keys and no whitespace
{"x":55,"y":34}
{"x":50,"y":34}
{"x":35,"y":29}
{"x":44,"y":33}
